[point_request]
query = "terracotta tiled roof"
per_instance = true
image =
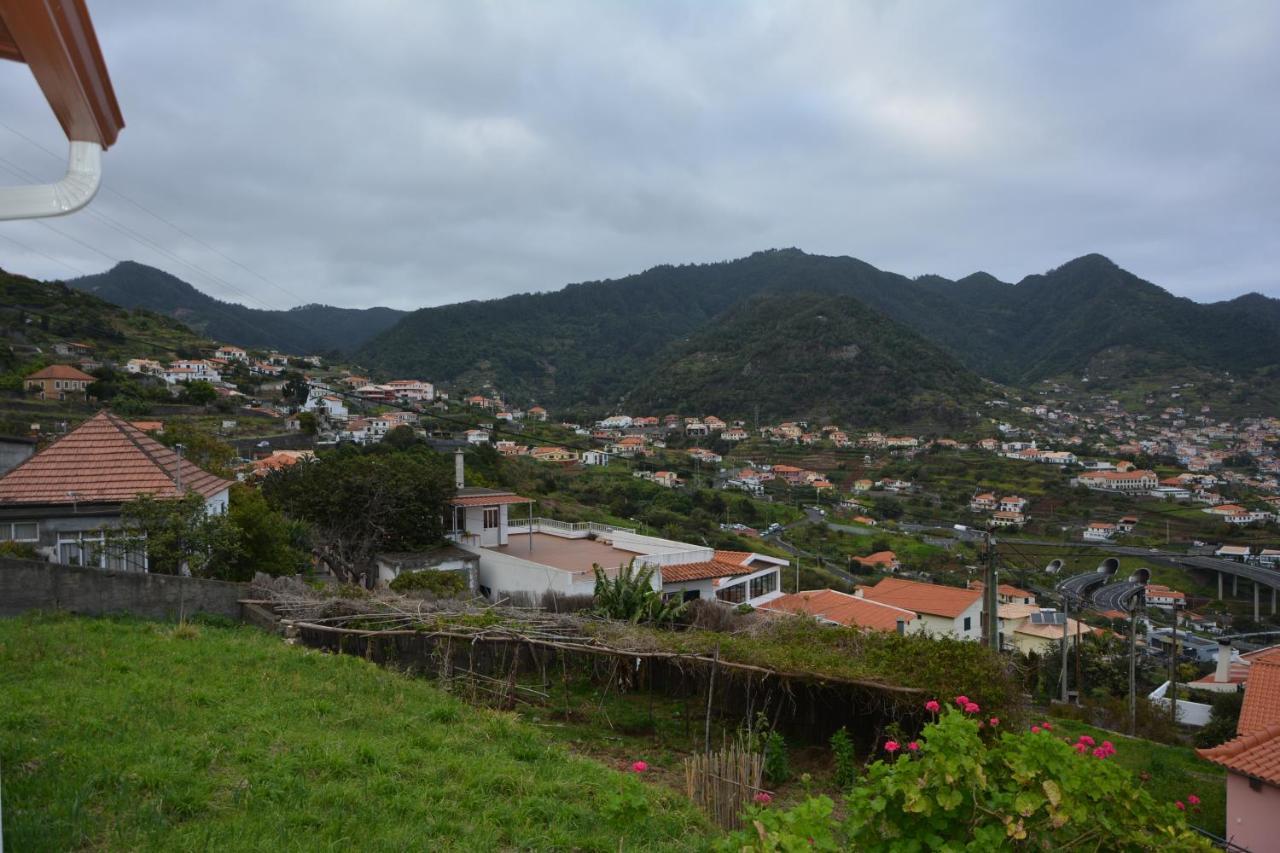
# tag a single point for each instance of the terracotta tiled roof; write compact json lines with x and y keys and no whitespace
{"x":704,"y":570}
{"x":737,"y":558}
{"x":1256,"y":754}
{"x":61,"y":371}
{"x":104,"y":460}
{"x":1262,"y":696}
{"x":489,"y":500}
{"x":933,"y":599}
{"x":879,"y":558}
{"x":842,"y":608}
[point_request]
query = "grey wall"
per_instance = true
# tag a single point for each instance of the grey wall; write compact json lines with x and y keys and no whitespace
{"x":32,"y":585}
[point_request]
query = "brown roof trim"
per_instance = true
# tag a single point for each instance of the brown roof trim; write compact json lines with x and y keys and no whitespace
{"x":56,"y":39}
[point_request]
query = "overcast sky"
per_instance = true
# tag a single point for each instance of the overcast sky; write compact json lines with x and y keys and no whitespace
{"x":414,"y":153}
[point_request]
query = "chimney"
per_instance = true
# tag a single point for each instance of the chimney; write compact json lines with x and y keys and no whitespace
{"x":1223,"y":673}
{"x":902,"y":627}
{"x":459,"y":469}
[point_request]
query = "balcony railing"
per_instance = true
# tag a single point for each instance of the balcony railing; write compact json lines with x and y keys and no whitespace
{"x":555,"y":526}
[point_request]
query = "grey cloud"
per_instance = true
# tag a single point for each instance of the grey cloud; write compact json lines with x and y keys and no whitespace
{"x":415,"y":153}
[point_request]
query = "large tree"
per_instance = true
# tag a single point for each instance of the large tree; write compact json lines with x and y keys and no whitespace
{"x":361,"y":503}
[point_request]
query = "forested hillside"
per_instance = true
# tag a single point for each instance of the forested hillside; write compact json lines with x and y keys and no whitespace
{"x":593,"y":343}
{"x":303,"y":330}
{"x":814,"y":353}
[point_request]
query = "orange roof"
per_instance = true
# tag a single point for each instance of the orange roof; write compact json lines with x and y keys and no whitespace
{"x":1262,"y":697}
{"x":61,"y":371}
{"x":104,"y":460}
{"x":1004,"y":589}
{"x":737,"y":558}
{"x":490,"y":500}
{"x":843,"y":608}
{"x":1256,"y":755}
{"x":704,"y":570}
{"x":879,"y":558}
{"x":933,"y":599}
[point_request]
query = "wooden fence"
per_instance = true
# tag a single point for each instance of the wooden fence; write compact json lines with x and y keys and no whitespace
{"x":724,"y":783}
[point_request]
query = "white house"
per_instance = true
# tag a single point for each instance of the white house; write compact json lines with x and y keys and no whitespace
{"x":942,"y":609}
{"x":595,"y":457}
{"x":477,"y":436}
{"x":226,"y":352}
{"x":1099,"y":531}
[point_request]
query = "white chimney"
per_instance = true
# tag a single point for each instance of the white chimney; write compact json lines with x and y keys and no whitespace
{"x":1223,"y":673}
{"x":459,"y":470}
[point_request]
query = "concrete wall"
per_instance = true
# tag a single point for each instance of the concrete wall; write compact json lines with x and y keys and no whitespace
{"x":30,"y":585}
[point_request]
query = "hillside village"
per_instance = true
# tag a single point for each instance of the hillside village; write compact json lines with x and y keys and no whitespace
{"x":786,"y":552}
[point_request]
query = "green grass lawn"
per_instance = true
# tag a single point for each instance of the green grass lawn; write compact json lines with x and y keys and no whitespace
{"x":1175,"y":771}
{"x":130,"y":735}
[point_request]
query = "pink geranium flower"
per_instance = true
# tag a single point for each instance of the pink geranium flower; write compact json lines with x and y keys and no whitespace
{"x":972,"y":708}
{"x":995,"y":721}
{"x":763,"y":798}
{"x":932,"y":706}
{"x":1046,"y":726}
{"x":962,"y":701}
{"x":1100,"y":753}
{"x":1193,"y":799}
{"x":914,"y":746}
{"x":1081,"y":748}
{"x":639,"y":767}
{"x":1086,"y":740}
{"x":891,"y":746}
{"x":1179,"y":806}
{"x":1035,"y":730}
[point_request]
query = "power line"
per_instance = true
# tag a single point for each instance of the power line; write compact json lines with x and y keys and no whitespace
{"x":168,"y":222}
{"x":27,"y":248}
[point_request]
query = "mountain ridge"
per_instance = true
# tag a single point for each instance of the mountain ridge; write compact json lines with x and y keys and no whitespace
{"x":303,"y":329}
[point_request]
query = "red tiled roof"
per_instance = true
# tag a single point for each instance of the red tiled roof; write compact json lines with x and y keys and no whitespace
{"x":933,"y":599}
{"x":61,"y":371}
{"x":737,"y":558}
{"x":1262,"y":697}
{"x":704,"y":570}
{"x":104,"y":460}
{"x":879,"y":558}
{"x":842,"y":608}
{"x":1256,"y":754}
{"x":489,"y":500}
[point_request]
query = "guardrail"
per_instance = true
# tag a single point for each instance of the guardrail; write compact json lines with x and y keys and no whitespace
{"x":552,"y":525}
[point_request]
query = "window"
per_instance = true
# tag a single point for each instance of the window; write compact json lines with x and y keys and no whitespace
{"x":19,"y":531}
{"x":968,"y":622}
{"x":735,"y":594}
{"x":491,"y":518}
{"x":764,"y":584}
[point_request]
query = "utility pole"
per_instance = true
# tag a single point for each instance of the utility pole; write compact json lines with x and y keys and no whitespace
{"x":1173,"y":667}
{"x":1066,"y":621}
{"x":1138,"y":602}
{"x":990,"y":596}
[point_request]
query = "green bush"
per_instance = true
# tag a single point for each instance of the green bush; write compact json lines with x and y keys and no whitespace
{"x":844,"y":758}
{"x":777,"y":769}
{"x":20,"y":550}
{"x":440,"y":583}
{"x":959,"y":787}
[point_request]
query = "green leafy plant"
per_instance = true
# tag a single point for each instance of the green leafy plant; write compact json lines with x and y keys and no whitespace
{"x":844,"y":758}
{"x":630,"y":596}
{"x":777,"y":768}
{"x":441,"y":584}
{"x":957,"y":788}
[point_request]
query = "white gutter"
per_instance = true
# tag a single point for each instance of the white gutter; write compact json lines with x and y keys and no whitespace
{"x":74,"y":191}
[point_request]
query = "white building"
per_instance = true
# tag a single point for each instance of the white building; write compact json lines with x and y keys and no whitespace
{"x":942,"y":609}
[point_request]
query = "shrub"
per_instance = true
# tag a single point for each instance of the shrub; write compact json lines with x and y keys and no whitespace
{"x":20,"y":550}
{"x":846,"y":761}
{"x":776,"y":767}
{"x":631,"y":596}
{"x":956,"y":788}
{"x":439,"y":583}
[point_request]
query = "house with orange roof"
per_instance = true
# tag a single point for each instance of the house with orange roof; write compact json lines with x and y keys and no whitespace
{"x":1007,"y":593}
{"x":833,"y":607}
{"x":985,"y":502}
{"x":881,"y":561}
{"x":59,"y":382}
{"x":944,"y":609}
{"x":1252,"y":760}
{"x":61,"y":499}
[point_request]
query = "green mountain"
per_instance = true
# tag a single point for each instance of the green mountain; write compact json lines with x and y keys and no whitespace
{"x":303,"y":330}
{"x":35,"y":315}
{"x":593,"y":343}
{"x":819,"y":354}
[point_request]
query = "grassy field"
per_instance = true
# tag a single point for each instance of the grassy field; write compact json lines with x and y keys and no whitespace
{"x":1174,"y":771}
{"x":128,"y":735}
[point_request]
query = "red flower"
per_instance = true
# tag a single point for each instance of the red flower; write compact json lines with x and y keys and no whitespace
{"x":1081,"y":748}
{"x":1100,"y":753}
{"x":1193,"y":799}
{"x":932,"y":706}
{"x":962,"y":701}
{"x":914,"y":746}
{"x":639,"y":767}
{"x":1088,"y":741}
{"x":891,"y":746}
{"x":763,"y":798}
{"x":995,"y":721}
{"x":1179,"y":806}
{"x":1046,"y":726}
{"x":972,"y":708}
{"x":1035,"y":730}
